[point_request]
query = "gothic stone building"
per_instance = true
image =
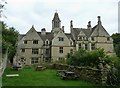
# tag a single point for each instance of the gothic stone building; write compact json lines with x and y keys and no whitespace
{"x":37,"y":47}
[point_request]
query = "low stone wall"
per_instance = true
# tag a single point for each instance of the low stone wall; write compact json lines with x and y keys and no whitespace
{"x":85,"y":73}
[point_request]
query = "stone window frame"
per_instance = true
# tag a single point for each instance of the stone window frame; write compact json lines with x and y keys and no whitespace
{"x":86,"y":46}
{"x":92,"y":38}
{"x":47,"y":51}
{"x":71,"y":51}
{"x":60,"y":49}
{"x":93,"y":46}
{"x":79,"y":46}
{"x":34,"y":60}
{"x":80,"y":38}
{"x":47,"y":42}
{"x":25,"y":41}
{"x":35,"y":51}
{"x":22,"y":50}
{"x":61,"y":38}
{"x":35,"y":41}
{"x":108,"y":38}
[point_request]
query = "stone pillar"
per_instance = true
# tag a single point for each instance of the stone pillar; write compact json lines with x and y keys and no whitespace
{"x":90,"y":46}
{"x":103,"y":72}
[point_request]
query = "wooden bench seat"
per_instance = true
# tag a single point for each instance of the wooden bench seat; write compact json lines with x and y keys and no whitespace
{"x":12,"y":75}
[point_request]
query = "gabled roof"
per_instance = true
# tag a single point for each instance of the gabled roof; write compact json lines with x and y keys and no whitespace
{"x":99,"y":30}
{"x":21,"y":36}
{"x":56,"y":17}
{"x":48,"y":36}
{"x":69,"y":35}
{"x":76,"y":32}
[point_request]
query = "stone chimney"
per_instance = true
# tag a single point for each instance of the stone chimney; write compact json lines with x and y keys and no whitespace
{"x":99,"y":20}
{"x":63,"y":28}
{"x":43,"y":31}
{"x":71,"y":24}
{"x":89,"y":25}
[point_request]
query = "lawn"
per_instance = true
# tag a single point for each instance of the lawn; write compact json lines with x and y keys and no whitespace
{"x":30,"y":77}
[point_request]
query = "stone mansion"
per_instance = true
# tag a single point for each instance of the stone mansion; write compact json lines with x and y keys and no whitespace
{"x":36,"y":47}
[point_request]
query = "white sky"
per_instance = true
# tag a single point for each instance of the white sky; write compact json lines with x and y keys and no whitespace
{"x":22,"y":14}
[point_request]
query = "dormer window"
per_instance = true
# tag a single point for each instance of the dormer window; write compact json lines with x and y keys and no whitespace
{"x":80,"y":38}
{"x":108,"y":38}
{"x":46,"y":42}
{"x":35,"y":41}
{"x":61,"y":39}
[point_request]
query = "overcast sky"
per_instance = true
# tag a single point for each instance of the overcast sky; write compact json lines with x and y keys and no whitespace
{"x":22,"y":14}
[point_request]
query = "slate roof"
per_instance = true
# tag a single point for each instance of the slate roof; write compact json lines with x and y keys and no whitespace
{"x":48,"y":36}
{"x":21,"y":36}
{"x":56,"y":17}
{"x":76,"y":32}
{"x":99,"y":31}
{"x":69,"y":35}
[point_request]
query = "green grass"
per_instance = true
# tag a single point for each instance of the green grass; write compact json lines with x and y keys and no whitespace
{"x":30,"y":77}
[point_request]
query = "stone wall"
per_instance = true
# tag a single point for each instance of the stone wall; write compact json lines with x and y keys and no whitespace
{"x":98,"y":76}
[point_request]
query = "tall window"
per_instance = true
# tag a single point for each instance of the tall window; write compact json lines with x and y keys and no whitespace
{"x":34,"y":60}
{"x":23,"y":59}
{"x":85,"y":38}
{"x":86,"y":46}
{"x":22,"y":50}
{"x":25,"y":41}
{"x":80,"y":38}
{"x":60,"y":49}
{"x":92,"y":38}
{"x":79,"y":46}
{"x":35,"y":41}
{"x":71,"y":51}
{"x":35,"y":51}
{"x":93,"y":46}
{"x":108,"y":38}
{"x":47,"y":51}
{"x":61,"y":39}
{"x":47,"y":42}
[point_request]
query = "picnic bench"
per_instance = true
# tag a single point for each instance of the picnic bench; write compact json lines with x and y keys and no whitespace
{"x":67,"y":74}
{"x":17,"y":68}
{"x":39,"y":68}
{"x":12,"y":75}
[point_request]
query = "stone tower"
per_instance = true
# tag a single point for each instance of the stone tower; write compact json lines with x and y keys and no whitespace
{"x":56,"y":23}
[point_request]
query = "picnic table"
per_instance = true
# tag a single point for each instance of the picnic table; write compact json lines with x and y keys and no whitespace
{"x":69,"y":75}
{"x":39,"y":68}
{"x":17,"y":67}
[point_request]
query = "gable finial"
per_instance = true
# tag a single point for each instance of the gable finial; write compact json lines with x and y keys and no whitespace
{"x":99,"y":20}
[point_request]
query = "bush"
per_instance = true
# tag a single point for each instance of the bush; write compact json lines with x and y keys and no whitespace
{"x":85,"y":58}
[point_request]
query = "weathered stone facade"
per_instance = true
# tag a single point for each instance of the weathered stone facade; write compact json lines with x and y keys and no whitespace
{"x":37,"y":47}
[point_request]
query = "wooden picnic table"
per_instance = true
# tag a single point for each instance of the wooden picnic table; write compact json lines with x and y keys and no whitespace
{"x":39,"y":68}
{"x":69,"y":75}
{"x":17,"y":67}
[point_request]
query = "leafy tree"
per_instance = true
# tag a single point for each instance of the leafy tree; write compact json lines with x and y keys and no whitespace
{"x":9,"y":38}
{"x":116,"y":43}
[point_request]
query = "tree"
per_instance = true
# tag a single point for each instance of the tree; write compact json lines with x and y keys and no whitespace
{"x":9,"y":38}
{"x":86,"y":58}
{"x":116,"y":43}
